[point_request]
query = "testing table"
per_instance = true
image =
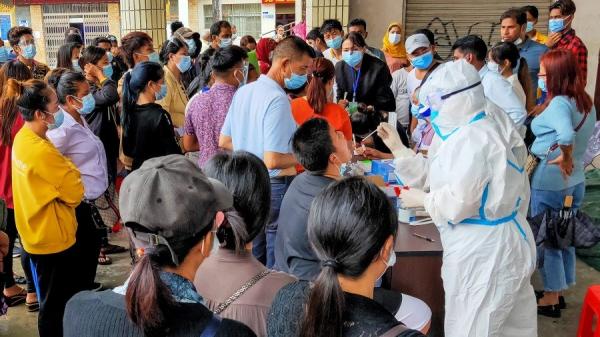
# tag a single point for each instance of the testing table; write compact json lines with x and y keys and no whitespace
{"x":417,"y":271}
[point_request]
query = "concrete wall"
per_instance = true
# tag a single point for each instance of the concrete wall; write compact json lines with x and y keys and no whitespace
{"x":378,"y":14}
{"x":37,"y":26}
{"x":114,"y":20}
{"x":587,"y":26}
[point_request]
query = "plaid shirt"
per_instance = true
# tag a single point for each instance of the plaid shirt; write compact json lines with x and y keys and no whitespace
{"x":572,"y":42}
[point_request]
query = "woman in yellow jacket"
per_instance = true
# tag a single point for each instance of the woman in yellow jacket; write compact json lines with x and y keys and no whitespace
{"x":46,"y":189}
{"x":174,"y":55}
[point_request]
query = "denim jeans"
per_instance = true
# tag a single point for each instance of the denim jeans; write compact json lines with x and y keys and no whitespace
{"x":558,"y":271}
{"x":263,"y":246}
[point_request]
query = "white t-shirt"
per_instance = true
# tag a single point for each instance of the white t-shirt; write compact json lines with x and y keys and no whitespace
{"x":400,"y":90}
{"x":330,"y":55}
{"x":517,"y":88}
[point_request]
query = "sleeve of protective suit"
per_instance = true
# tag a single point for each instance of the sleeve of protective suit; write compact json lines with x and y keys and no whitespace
{"x":509,"y":131}
{"x":459,"y":198}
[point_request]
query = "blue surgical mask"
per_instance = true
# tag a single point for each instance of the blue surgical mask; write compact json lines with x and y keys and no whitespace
{"x":59,"y":118}
{"x":542,"y":84}
{"x":184,"y":64}
{"x":153,"y":57}
{"x":335,"y":43}
{"x":162,"y":93}
{"x":392,"y":259}
{"x":352,"y":58}
{"x":493,"y":67}
{"x":191,"y":46}
{"x":110,"y":56}
{"x":88,"y":104}
{"x":529,"y":27}
{"x":225,"y":43}
{"x":422,"y":61}
{"x":394,"y":38}
{"x":295,"y":81}
{"x":107,"y":70}
{"x":556,"y":25}
{"x":28,"y":51}
{"x":76,"y":66}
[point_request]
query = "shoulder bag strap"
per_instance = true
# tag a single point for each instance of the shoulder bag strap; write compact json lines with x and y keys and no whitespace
{"x":212,"y":328}
{"x":241,"y":291}
{"x":580,"y":125}
{"x":395,"y":331}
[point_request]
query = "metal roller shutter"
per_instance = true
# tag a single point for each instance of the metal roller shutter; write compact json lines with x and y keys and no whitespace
{"x":450,"y":20}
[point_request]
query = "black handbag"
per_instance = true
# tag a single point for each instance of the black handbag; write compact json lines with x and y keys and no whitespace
{"x":565,"y":228}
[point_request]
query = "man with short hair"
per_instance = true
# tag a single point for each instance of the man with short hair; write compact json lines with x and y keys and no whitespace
{"x":315,"y":39}
{"x":23,"y":44}
{"x":321,"y":151}
{"x":513,"y":24}
{"x":334,"y":36}
{"x":206,"y":111}
{"x":532,"y":20}
{"x":260,"y":121}
{"x":360,"y":26}
{"x":474,"y":50}
{"x":562,"y":36}
{"x":220,"y":37}
{"x":420,"y":54}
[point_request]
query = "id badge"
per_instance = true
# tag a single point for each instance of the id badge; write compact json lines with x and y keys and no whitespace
{"x":352,"y":108}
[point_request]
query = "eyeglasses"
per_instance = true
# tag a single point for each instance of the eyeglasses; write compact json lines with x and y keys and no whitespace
{"x":541,"y":75}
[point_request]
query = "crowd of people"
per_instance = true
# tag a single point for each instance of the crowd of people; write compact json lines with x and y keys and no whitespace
{"x":240,"y":218}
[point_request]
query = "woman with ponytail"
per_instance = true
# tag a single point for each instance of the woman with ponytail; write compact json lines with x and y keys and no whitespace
{"x":233,"y":264}
{"x":171,"y":211}
{"x":318,"y":101}
{"x":351,"y":227}
{"x":505,"y":60}
{"x":147,"y":128}
{"x":10,"y":123}
{"x":46,"y":189}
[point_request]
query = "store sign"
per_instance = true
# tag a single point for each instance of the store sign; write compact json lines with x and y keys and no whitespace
{"x":278,"y":1}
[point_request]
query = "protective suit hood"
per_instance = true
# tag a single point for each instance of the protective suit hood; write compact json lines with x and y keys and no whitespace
{"x":460,"y":108}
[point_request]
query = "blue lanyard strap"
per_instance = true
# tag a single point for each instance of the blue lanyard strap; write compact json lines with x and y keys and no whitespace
{"x":355,"y":83}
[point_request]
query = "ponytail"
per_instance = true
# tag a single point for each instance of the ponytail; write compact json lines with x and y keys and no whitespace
{"x":35,"y":96}
{"x":148,"y":298}
{"x":11,"y":92}
{"x":348,"y":226}
{"x":316,"y":93}
{"x":326,"y":303}
{"x":525,"y":80}
{"x":134,"y":82}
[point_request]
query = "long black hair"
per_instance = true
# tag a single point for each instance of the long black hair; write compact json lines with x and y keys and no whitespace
{"x":63,"y":58}
{"x":135,"y":82}
{"x":348,"y":225}
{"x":247,"y":178}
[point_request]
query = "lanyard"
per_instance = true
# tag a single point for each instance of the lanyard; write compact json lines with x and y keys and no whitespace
{"x":355,"y":84}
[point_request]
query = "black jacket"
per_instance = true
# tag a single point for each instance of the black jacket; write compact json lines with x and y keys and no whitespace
{"x":99,"y":314}
{"x":103,"y":122}
{"x":148,"y":133}
{"x":363,"y":316}
{"x":373,"y":87}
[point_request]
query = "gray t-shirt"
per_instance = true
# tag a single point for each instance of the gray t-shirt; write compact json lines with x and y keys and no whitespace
{"x":293,"y":253}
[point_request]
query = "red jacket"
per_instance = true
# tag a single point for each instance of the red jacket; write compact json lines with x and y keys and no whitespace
{"x":5,"y":164}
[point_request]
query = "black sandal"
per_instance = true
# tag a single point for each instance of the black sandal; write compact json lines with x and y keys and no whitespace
{"x":17,"y":299}
{"x":33,"y":306}
{"x":562,"y":304}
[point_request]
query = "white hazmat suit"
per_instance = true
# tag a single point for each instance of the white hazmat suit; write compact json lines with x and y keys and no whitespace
{"x":478,"y":201}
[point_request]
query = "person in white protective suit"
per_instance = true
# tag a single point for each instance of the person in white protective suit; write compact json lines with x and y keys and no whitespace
{"x":412,"y":168}
{"x":477,"y":200}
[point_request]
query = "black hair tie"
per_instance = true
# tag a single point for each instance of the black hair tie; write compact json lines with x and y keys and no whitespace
{"x":332,"y":264}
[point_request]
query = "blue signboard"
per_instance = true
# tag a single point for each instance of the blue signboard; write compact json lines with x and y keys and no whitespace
{"x":4,"y":26}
